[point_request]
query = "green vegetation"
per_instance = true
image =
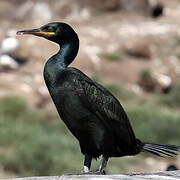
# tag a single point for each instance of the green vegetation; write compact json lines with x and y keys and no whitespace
{"x":112,"y":56}
{"x":12,"y":106}
{"x":178,"y":56}
{"x":146,"y":74}
{"x":147,"y":81}
{"x":177,"y":40}
{"x":171,"y":99}
{"x":97,"y":77}
{"x":153,"y":125}
{"x":37,"y":143}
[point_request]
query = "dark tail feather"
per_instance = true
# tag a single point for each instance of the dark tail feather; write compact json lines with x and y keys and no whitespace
{"x":162,"y":150}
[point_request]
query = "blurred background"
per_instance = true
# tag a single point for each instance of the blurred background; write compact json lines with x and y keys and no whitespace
{"x":132,"y":47}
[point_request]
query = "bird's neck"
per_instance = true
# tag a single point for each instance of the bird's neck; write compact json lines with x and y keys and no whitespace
{"x":57,"y":63}
{"x":67,"y":53}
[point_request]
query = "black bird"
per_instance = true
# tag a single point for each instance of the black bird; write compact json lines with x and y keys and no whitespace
{"x":92,"y":114}
{"x":157,"y":10}
{"x":171,"y":167}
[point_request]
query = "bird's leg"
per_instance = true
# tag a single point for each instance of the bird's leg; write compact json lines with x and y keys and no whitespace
{"x":87,"y":163}
{"x":103,"y":163}
{"x":102,"y":166}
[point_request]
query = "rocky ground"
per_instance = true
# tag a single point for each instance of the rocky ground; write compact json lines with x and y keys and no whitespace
{"x":141,"y":43}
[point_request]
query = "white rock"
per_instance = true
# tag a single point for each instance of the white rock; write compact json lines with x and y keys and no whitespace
{"x":42,"y":11}
{"x":26,"y":88}
{"x":136,"y":89}
{"x":163,"y":80}
{"x":85,"y":13}
{"x":8,"y":62}
{"x":9,"y":44}
{"x":98,"y":33}
{"x":92,"y":52}
{"x":43,"y":91}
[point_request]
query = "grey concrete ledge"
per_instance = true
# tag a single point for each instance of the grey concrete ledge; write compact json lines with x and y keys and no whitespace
{"x":166,"y":175}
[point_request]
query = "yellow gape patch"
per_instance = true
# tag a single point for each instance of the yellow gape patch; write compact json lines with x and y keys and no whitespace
{"x":46,"y":34}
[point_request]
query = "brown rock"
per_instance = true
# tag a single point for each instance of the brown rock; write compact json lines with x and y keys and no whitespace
{"x":154,"y":82}
{"x":139,"y":50}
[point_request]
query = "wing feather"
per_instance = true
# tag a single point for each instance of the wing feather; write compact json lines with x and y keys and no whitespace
{"x":103,"y":104}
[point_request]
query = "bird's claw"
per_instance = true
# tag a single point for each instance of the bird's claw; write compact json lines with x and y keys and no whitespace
{"x":98,"y":172}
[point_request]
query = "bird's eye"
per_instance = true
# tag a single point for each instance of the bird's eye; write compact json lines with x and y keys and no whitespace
{"x":51,"y":29}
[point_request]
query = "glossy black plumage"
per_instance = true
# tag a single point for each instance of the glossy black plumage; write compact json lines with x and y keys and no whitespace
{"x":93,"y":115}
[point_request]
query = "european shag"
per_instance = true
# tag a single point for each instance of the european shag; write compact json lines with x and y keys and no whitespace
{"x":92,"y":114}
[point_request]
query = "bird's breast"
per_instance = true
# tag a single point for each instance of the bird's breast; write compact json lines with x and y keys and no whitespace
{"x":65,"y":95}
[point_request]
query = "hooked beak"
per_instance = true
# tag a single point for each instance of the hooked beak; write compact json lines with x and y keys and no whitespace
{"x":36,"y":32}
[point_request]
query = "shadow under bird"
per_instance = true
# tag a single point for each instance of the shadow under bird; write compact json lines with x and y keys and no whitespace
{"x":92,"y":114}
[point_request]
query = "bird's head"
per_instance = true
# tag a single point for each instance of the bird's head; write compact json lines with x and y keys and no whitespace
{"x":57,"y":32}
